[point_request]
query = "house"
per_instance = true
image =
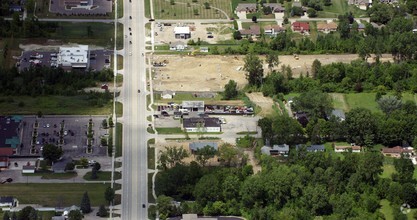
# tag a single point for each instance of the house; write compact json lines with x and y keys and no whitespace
{"x":312,"y":148}
{"x":355,"y":149}
{"x":4,"y":160}
{"x":15,"y":8}
{"x":253,"y":31}
{"x":361,"y":4}
{"x":302,"y":118}
{"x":201,"y":124}
{"x":9,"y":135}
{"x":337,"y":113}
{"x":28,"y":169}
{"x":194,"y":146}
{"x":282,"y":149}
{"x":389,"y":1}
{"x":326,"y":27}
{"x":361,"y":27}
{"x":193,"y":106}
{"x":178,"y":46}
{"x":59,"y":166}
{"x":8,"y":201}
{"x":300,"y":26}
{"x":167,"y":94}
{"x":273,"y":29}
{"x":182,"y":32}
{"x":397,"y":151}
{"x":248,"y":8}
{"x":275,"y":7}
{"x":379,"y":26}
{"x":204,"y":49}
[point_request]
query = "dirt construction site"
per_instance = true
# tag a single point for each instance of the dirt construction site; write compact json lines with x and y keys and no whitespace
{"x":211,"y":73}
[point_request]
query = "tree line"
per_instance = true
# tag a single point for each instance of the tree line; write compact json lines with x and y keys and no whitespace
{"x":308,"y":185}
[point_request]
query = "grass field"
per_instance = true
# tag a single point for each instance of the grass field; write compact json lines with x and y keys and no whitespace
{"x":148,"y":8}
{"x":151,"y":158}
{"x":102,"y":33}
{"x":102,"y":176}
{"x":174,"y":130}
{"x":119,"y":109}
{"x":50,"y":194}
{"x":51,"y":105}
{"x":184,"y":9}
{"x":61,"y":176}
{"x":119,"y":139}
{"x":388,"y":171}
{"x":340,"y":7}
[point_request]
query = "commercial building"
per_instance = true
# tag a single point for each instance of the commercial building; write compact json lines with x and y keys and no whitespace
{"x":10,"y":135}
{"x":201,"y":125}
{"x":74,"y":57}
{"x":182,"y":32}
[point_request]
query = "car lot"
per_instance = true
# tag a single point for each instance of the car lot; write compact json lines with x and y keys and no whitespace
{"x":75,"y":134}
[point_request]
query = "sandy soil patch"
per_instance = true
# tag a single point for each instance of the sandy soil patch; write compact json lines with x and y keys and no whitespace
{"x":211,"y":73}
{"x":260,"y":100}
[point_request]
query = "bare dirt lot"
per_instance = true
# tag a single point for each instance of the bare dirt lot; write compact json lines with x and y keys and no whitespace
{"x":260,"y":100}
{"x":220,"y":32}
{"x":211,"y":73}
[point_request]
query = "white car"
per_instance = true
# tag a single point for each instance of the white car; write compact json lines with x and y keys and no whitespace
{"x":130,"y":53}
{"x":65,"y":133}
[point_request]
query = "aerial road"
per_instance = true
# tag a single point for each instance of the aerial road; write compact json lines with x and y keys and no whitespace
{"x":134,"y":186}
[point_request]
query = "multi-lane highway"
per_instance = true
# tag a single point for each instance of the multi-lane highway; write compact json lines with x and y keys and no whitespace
{"x":134,"y":187}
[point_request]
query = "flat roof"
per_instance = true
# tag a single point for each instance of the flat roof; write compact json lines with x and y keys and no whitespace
{"x":192,"y":104}
{"x":182,"y":30}
{"x":76,"y":55}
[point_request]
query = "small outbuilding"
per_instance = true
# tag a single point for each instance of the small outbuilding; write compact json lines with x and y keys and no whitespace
{"x":28,"y":169}
{"x":167,"y":94}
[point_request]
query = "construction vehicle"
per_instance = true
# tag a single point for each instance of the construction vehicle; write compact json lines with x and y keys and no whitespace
{"x":296,"y":56}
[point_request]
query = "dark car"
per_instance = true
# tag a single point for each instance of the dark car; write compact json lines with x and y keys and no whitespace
{"x":130,"y":17}
{"x":164,"y":113}
{"x":138,"y":90}
{"x":151,"y":19}
{"x":9,"y":180}
{"x":143,"y":206}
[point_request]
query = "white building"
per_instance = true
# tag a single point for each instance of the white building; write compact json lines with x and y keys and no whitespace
{"x":178,"y":46}
{"x":182,"y":32}
{"x":75,"y":57}
{"x":202,"y":125}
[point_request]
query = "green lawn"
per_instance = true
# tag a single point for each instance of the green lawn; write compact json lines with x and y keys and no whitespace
{"x":102,"y":176}
{"x":151,"y":199}
{"x":102,"y":33}
{"x":386,"y":209}
{"x":148,"y":8}
{"x":173,"y":130}
{"x":389,"y":169}
{"x":52,"y":105}
{"x":151,"y":157}
{"x":340,"y":7}
{"x":362,"y":100}
{"x":119,"y":109}
{"x":179,"y":97}
{"x":51,"y":175}
{"x":59,"y":194}
{"x":119,"y":139}
{"x":163,"y":9}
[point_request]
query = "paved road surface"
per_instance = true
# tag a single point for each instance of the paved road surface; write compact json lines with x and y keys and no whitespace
{"x":134,"y":187}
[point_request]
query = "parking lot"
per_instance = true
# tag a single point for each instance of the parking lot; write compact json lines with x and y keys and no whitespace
{"x":99,"y":59}
{"x":75,"y":135}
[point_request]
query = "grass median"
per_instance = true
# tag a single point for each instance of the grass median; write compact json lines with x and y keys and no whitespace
{"x":102,"y":176}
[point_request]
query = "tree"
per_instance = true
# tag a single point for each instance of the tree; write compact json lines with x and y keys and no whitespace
{"x":30,"y":6}
{"x":97,"y":166}
{"x":204,"y":154}
{"x":25,"y":213}
{"x":172,"y":156}
{"x":102,"y":211}
{"x":405,"y":170}
{"x":267,"y":10}
{"x":84,"y":162}
{"x":312,"y":13}
{"x":85,"y":204}
{"x":254,"y":69}
{"x":75,"y":215}
{"x":314,"y":102}
{"x":272,"y":60}
{"x":33,"y":215}
{"x":104,"y":123}
{"x":206,"y":5}
{"x":315,"y":68}
{"x":228,"y":154}
{"x":389,"y":104}
{"x":195,"y":12}
{"x":230,"y":90}
{"x":109,"y":194}
{"x":237,"y":35}
{"x":254,"y":19}
{"x":361,"y":126}
{"x":94,"y":173}
{"x":70,"y":166}
{"x":6,"y":216}
{"x":52,"y":152}
{"x":164,"y":206}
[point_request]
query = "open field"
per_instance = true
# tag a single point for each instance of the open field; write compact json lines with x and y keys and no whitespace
{"x":184,"y":9}
{"x":265,"y":103}
{"x":51,"y":105}
{"x":181,"y":73}
{"x":50,"y":194}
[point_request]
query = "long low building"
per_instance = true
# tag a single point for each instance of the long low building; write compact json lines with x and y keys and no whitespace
{"x":201,"y":125}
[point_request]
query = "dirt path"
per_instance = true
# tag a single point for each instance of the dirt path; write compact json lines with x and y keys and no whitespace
{"x":255,"y":166}
{"x":265,"y":103}
{"x":340,"y":98}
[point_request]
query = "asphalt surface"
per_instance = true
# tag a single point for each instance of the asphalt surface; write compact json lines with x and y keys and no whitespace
{"x":134,"y":186}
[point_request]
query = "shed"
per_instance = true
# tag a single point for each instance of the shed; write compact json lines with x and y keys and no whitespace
{"x":178,"y":46}
{"x":28,"y":169}
{"x":167,"y":94}
{"x":204,"y":49}
{"x":8,"y":201}
{"x":193,"y":106}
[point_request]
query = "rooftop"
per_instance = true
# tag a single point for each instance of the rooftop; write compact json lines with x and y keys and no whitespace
{"x":182,"y":30}
{"x":76,"y":56}
{"x":193,"y":104}
{"x":9,"y":136}
{"x":203,"y":122}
